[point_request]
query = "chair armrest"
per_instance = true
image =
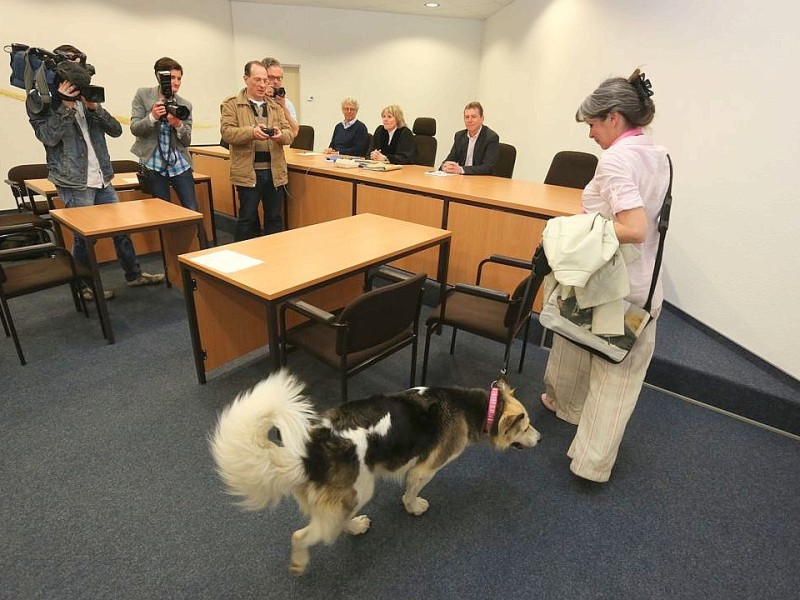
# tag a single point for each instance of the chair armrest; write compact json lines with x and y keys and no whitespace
{"x":500,"y":259}
{"x":388,"y":273}
{"x":19,"y":227}
{"x":27,"y":250}
{"x":310,"y":311}
{"x":482,"y":292}
{"x":511,"y":261}
{"x":14,"y":184}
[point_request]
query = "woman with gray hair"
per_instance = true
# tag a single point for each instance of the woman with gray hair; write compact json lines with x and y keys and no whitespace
{"x":392,"y":141}
{"x":628,"y":187}
{"x":350,"y":137}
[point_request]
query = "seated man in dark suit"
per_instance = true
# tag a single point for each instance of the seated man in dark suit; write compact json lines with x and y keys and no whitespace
{"x":475,"y":149}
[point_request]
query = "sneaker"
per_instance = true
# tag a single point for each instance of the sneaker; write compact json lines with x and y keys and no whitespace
{"x":88,"y":295}
{"x":147,"y":279}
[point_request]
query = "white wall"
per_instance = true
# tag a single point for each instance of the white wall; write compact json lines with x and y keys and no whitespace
{"x":428,"y":66}
{"x":724,"y":76}
{"x":122,"y":41}
{"x":723,"y":73}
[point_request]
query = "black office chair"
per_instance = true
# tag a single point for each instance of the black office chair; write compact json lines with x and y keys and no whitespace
{"x":424,"y":131}
{"x":506,"y":160}
{"x":45,"y":266}
{"x":571,"y":169}
{"x":304,"y":139}
{"x":490,"y":313}
{"x":16,"y":180}
{"x":367,"y":330}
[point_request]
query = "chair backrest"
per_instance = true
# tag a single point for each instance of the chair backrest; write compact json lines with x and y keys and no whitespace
{"x":571,"y":169}
{"x":521,"y":302}
{"x":505,"y":161}
{"x":124,"y":166}
{"x":380,"y":315}
{"x":424,"y":130}
{"x":20,"y":173}
{"x":304,"y":139}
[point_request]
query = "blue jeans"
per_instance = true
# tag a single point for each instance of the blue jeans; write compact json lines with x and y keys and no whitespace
{"x":183,"y":184}
{"x":247,"y":225}
{"x":122,"y":243}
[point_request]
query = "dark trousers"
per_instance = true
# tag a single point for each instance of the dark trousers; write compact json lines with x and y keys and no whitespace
{"x":264,"y":192}
{"x":183,"y":184}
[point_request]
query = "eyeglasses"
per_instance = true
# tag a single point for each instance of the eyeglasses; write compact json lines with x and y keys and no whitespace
{"x":275,"y":77}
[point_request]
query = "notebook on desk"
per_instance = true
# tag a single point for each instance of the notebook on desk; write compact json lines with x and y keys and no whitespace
{"x":376,"y":165}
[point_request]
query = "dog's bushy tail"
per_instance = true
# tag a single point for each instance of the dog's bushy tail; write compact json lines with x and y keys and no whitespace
{"x":252,"y":466}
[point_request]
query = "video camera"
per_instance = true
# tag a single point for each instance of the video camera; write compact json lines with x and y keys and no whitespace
{"x":40,"y":72}
{"x":176,"y":110}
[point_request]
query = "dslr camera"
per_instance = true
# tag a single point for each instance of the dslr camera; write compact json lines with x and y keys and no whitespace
{"x":280,"y":92}
{"x":176,"y":110}
{"x":270,"y":130}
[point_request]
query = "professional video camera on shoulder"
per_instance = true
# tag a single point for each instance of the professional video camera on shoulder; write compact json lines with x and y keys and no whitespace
{"x":40,"y":72}
{"x":170,"y":103}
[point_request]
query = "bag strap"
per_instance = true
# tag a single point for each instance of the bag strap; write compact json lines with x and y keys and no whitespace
{"x":663,"y":225}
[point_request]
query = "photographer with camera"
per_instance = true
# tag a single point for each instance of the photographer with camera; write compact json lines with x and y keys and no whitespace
{"x":73,"y":134}
{"x":255,"y":128}
{"x":162,"y":123}
{"x":277,"y":92}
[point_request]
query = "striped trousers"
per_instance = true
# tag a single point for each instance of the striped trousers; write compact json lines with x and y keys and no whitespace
{"x":598,"y":397}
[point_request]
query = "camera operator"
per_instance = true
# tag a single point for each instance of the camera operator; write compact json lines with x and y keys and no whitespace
{"x":73,"y":134}
{"x":162,"y":138}
{"x":278,"y":93}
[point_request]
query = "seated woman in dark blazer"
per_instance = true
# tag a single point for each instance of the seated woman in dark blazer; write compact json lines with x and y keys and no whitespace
{"x":393,"y":142}
{"x":350,"y":136}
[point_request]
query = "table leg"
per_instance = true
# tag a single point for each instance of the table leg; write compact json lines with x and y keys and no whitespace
{"x":441,"y":275}
{"x":194,"y":331}
{"x":274,"y":338}
{"x":98,"y":288}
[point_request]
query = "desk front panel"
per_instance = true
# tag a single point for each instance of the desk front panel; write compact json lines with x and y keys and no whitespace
{"x":479,"y":233}
{"x":218,"y":168}
{"x":406,"y":207}
{"x":312,"y":199}
{"x":232,"y":323}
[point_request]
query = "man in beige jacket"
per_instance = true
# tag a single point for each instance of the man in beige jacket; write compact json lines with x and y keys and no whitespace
{"x":256,"y":130}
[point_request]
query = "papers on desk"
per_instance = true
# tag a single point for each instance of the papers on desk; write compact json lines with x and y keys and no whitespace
{"x":227,"y":261}
{"x":130,"y":180}
{"x":438,"y":173}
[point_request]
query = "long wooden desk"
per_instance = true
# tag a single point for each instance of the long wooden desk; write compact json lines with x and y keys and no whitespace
{"x":180,"y":230}
{"x":127,"y":186}
{"x":321,"y":263}
{"x":486,"y":215}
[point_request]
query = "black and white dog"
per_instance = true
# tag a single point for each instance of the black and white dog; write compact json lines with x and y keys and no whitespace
{"x":329,"y":462}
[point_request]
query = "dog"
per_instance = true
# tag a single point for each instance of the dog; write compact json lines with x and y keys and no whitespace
{"x":329,"y":462}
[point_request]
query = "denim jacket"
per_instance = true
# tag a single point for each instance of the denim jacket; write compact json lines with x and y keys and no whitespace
{"x":67,"y":159}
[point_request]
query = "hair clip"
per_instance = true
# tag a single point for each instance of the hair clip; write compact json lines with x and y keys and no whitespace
{"x":643,"y":87}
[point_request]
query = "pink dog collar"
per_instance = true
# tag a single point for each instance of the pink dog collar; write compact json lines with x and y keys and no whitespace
{"x":493,"y":392}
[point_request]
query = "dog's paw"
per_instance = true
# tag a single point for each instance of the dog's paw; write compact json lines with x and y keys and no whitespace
{"x":358,"y":525}
{"x":297,"y":569}
{"x":416,"y":506}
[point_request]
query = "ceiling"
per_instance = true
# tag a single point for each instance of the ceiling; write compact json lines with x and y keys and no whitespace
{"x":464,"y":9}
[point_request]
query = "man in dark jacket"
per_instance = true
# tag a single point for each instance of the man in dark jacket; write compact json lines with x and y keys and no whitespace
{"x":475,"y":149}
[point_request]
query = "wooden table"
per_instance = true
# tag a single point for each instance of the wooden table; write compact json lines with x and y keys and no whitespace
{"x":127,"y":186}
{"x":233,"y":313}
{"x":180,"y":230}
{"x":487,"y":215}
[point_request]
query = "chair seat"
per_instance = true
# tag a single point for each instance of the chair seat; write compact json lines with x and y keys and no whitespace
{"x":320,"y":341}
{"x":40,"y":275}
{"x":477,"y":315}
